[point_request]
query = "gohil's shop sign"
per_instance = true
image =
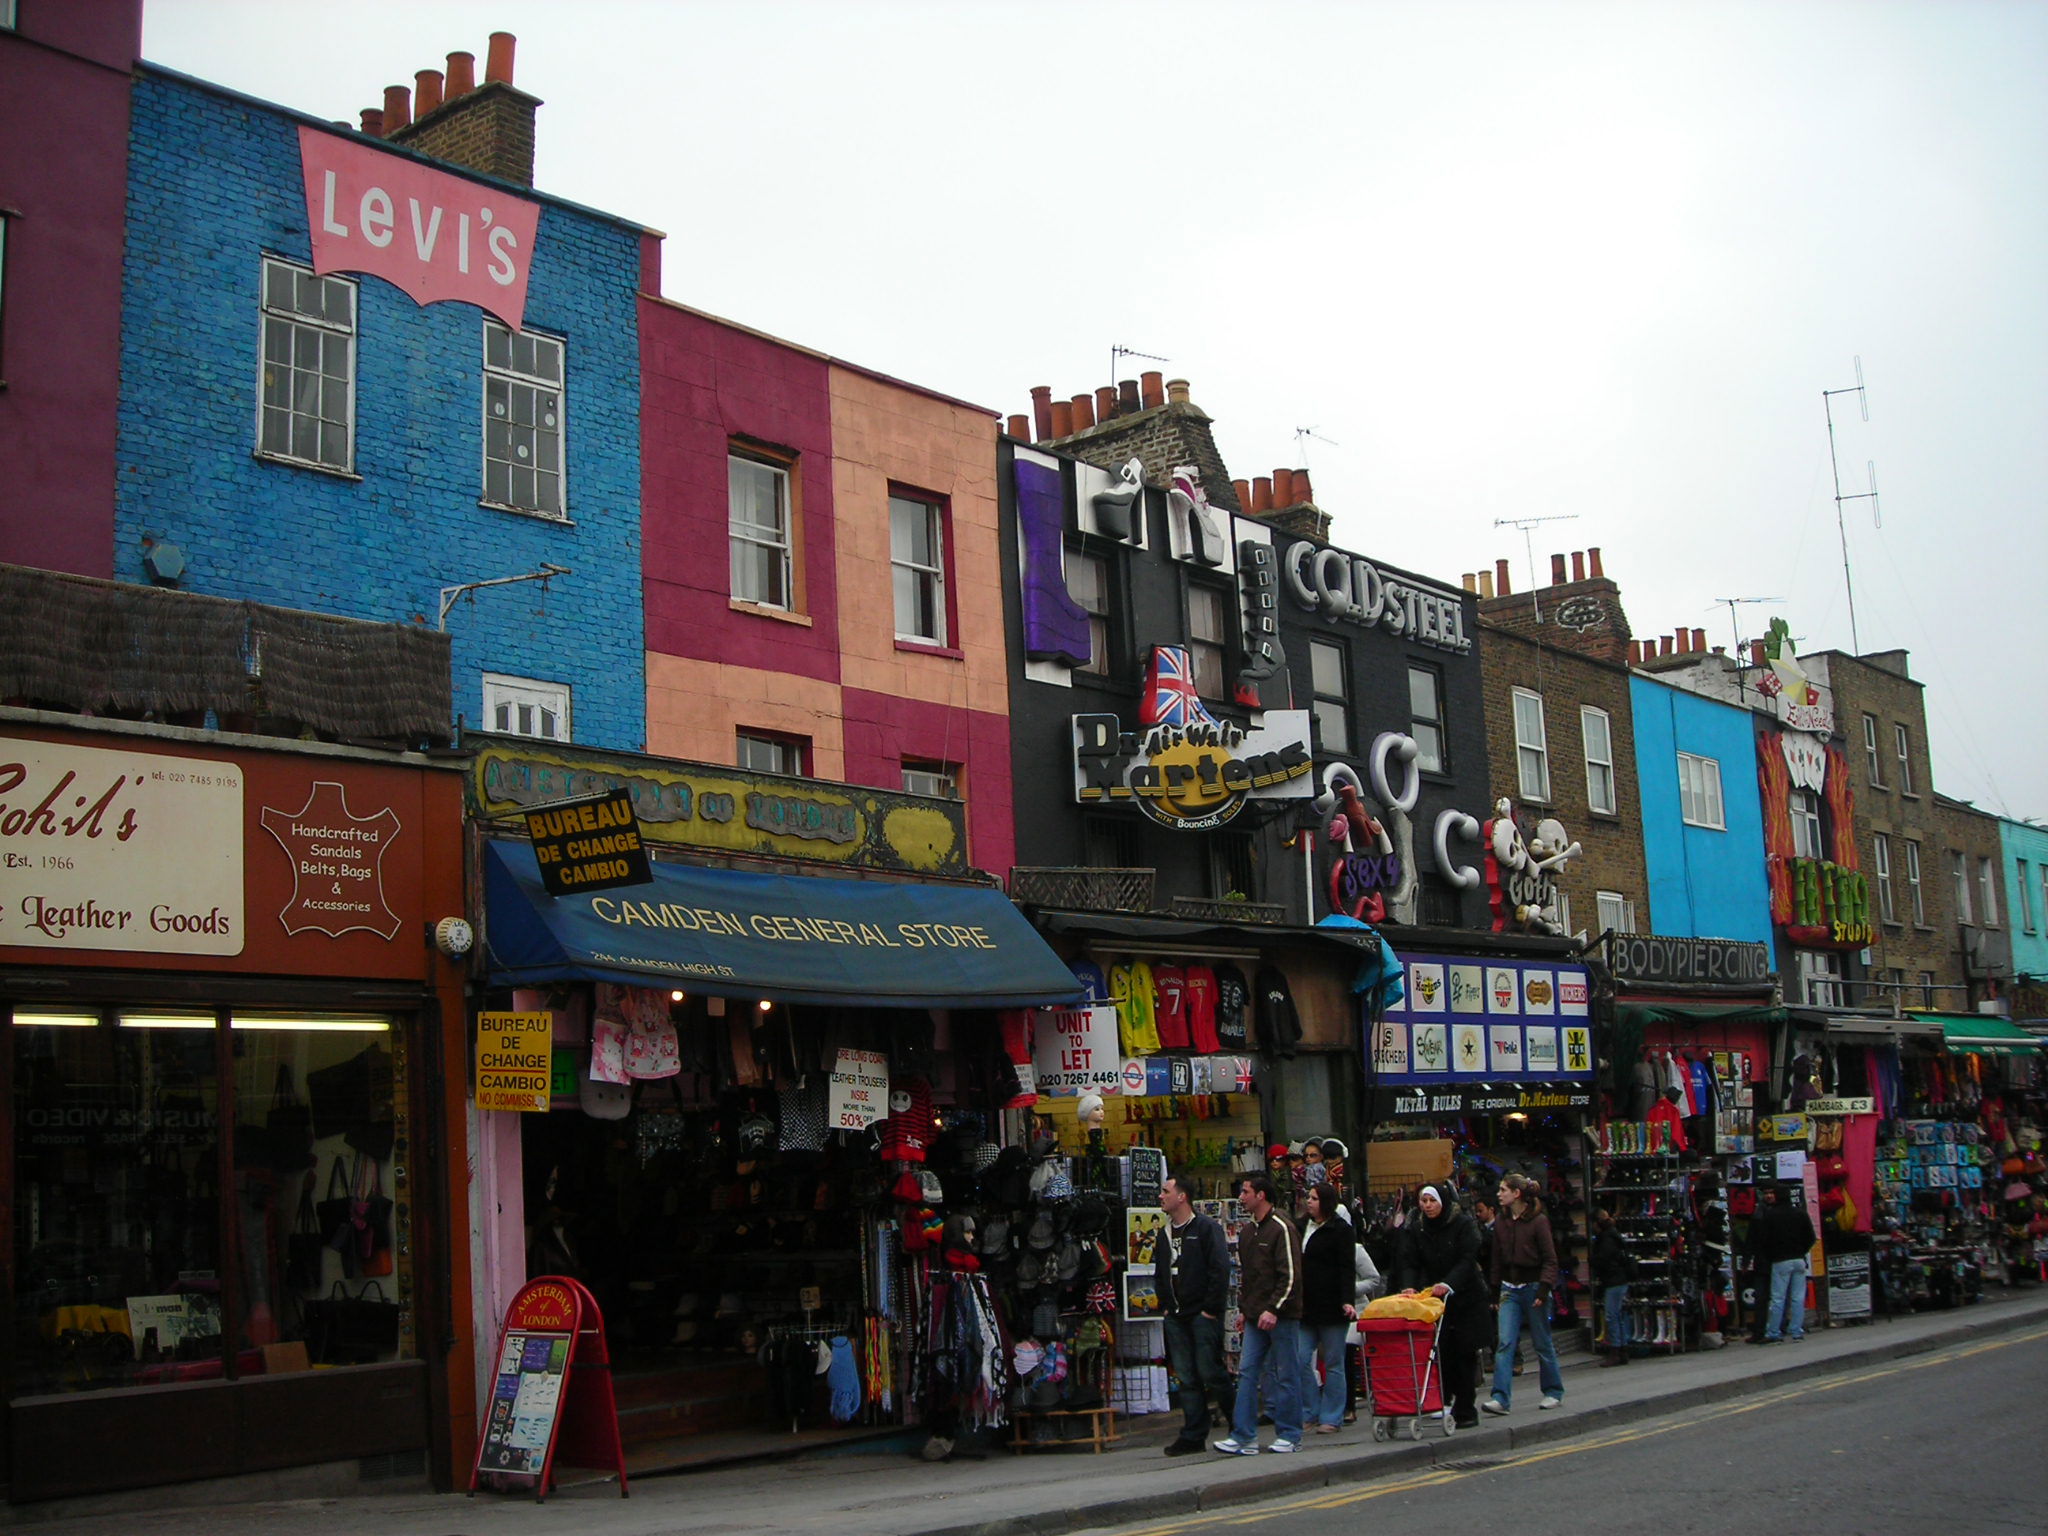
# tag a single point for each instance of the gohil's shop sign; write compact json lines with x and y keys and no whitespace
{"x":1192,"y":777}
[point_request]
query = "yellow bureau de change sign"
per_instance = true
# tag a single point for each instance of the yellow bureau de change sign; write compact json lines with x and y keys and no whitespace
{"x":514,"y":1061}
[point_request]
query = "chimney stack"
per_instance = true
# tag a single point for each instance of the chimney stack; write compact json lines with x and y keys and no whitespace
{"x":1557,"y":570}
{"x":487,"y":128}
{"x":1041,"y":409}
{"x":1152,"y":388}
{"x":1578,"y":566}
{"x":1500,"y":578}
{"x":1020,"y":427}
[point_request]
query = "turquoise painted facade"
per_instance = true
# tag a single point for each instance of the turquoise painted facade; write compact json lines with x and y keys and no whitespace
{"x":2025,"y":847}
{"x":1705,"y":882}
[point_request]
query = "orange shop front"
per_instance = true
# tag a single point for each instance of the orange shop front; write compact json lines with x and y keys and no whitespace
{"x":225,"y":1178}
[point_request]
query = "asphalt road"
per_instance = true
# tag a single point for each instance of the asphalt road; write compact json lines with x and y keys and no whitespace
{"x":1954,"y":1442}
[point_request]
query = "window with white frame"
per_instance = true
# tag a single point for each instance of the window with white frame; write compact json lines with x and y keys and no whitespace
{"x":917,"y":555}
{"x":1532,"y":746}
{"x":1598,"y":735}
{"x":1699,"y":791}
{"x":1804,"y":807}
{"x":763,"y":752}
{"x":1905,"y":746}
{"x":1206,"y":640}
{"x":523,"y":411}
{"x":1959,"y":877}
{"x":1987,"y":892}
{"x":757,"y":494}
{"x":939,"y":780}
{"x":1426,"y":717}
{"x":1927,"y":989}
{"x":1871,"y":758}
{"x":1331,"y":696}
{"x":1616,"y":913}
{"x":2026,"y":896}
{"x":1088,"y":585}
{"x":522,"y":706}
{"x":307,"y":402}
{"x":1564,"y":914}
{"x":1881,"y":862}
{"x":1913,"y":886}
{"x":1820,"y":978}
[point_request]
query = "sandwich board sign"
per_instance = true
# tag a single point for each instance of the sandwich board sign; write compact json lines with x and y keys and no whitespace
{"x":544,"y":1411}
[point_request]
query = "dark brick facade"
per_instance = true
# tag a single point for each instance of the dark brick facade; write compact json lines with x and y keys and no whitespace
{"x":489,"y":129}
{"x":1162,"y":437}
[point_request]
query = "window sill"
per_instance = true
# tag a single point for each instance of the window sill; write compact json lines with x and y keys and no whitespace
{"x":1923,"y":927}
{"x":1706,"y":826}
{"x":318,"y":469}
{"x":1909,"y":794}
{"x":763,"y":611}
{"x":1613,"y":816}
{"x":929,"y":648}
{"x":560,"y":519}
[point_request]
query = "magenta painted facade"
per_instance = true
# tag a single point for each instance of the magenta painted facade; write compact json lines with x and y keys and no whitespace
{"x":64,"y":87}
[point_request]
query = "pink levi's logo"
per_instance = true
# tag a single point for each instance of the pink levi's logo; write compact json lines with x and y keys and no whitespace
{"x":436,"y":236}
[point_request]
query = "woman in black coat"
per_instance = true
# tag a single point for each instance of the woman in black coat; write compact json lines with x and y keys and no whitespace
{"x":1439,"y":1253}
{"x":1329,"y":1300}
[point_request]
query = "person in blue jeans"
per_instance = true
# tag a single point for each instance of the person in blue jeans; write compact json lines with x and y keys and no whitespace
{"x":1781,"y":1236}
{"x":1269,"y":1294}
{"x":1194,"y":1285}
{"x":1330,"y":1292}
{"x":1525,"y":1271}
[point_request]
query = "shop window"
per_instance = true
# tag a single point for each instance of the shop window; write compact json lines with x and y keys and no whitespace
{"x":1532,"y":746}
{"x":522,"y":706}
{"x":762,"y":752}
{"x":1959,"y":877}
{"x":1927,"y":989}
{"x":1088,"y":583}
{"x":2024,"y":896}
{"x":1807,"y":840}
{"x":1111,"y":842}
{"x":761,"y":522}
{"x":1332,"y":696}
{"x":1596,"y":732}
{"x":523,"y":416}
{"x":1426,"y":718}
{"x":1616,"y":914}
{"x":1871,"y":758}
{"x":1207,"y":641}
{"x":1904,"y":742}
{"x":1881,"y":863}
{"x":1987,"y":892}
{"x":1233,"y":867}
{"x":1699,"y":791}
{"x":917,"y":558}
{"x":1913,"y":886}
{"x":307,"y":410}
{"x":939,"y":780}
{"x":1309,"y":1100}
{"x":119,"y":1247}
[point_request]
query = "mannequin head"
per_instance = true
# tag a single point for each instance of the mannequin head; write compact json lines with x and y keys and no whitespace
{"x":1090,"y":1112}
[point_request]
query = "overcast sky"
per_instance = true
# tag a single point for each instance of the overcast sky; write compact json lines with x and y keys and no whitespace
{"x":1508,"y":261}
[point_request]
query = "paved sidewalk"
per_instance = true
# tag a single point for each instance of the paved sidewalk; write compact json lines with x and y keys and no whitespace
{"x":1049,"y":1493}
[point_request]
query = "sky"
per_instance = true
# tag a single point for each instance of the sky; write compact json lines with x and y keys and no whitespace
{"x":1499,"y":262}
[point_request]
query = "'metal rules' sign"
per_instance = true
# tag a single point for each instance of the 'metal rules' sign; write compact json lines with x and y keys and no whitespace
{"x":436,"y":236}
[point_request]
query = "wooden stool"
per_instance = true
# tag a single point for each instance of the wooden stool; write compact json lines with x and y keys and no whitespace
{"x":1100,"y":1425}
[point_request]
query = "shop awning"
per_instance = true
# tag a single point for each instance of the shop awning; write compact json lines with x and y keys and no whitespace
{"x":1191,"y":933}
{"x":1640,"y":1014}
{"x":1977,"y":1034}
{"x":789,"y":938}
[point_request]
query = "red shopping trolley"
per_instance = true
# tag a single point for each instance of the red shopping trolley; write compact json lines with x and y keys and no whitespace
{"x":1403,"y":1374}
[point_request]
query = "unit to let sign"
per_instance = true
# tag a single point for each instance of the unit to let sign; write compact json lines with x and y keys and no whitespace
{"x":588,"y":845}
{"x":859,"y":1090}
{"x":514,"y":1061}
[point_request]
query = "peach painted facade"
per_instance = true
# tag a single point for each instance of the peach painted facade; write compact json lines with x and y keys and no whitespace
{"x":831,"y":671}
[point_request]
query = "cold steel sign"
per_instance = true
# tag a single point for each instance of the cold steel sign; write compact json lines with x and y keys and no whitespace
{"x":1351,"y":588}
{"x":119,"y":850}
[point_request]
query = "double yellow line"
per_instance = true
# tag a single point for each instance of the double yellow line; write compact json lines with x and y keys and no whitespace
{"x":1665,"y":1425}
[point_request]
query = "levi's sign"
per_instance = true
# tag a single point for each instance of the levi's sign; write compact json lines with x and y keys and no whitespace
{"x":434,"y":235}
{"x":588,"y":845}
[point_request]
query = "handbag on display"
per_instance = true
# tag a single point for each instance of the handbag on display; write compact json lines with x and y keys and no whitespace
{"x":335,"y":1216}
{"x":289,"y":1126}
{"x":652,"y":1049}
{"x":351,"y":1330}
{"x":371,"y":1213}
{"x":608,"y":1051}
{"x":304,"y":1243}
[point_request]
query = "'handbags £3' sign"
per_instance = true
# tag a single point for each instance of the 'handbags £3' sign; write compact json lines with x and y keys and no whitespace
{"x":434,"y":235}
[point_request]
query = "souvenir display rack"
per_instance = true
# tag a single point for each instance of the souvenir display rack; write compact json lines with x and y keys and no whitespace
{"x":1643,"y":1190}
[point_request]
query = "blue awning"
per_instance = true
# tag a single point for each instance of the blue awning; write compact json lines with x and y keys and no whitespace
{"x":731,"y":933}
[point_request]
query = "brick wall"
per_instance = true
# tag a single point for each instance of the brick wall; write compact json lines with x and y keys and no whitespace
{"x":489,"y":129}
{"x":1982,"y":945}
{"x":215,"y":185}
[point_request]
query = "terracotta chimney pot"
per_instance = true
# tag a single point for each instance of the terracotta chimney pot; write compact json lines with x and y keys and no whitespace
{"x":1152,"y":389}
{"x":1578,"y":566}
{"x":461,"y":76}
{"x":498,"y":64}
{"x":1593,"y":562}
{"x":1664,"y":645}
{"x":1485,"y":583}
{"x":397,"y":108}
{"x":1500,"y":578}
{"x":1283,"y":488}
{"x":1302,"y":492}
{"x":1127,"y":395}
{"x":1557,"y":570}
{"x":1105,"y":402}
{"x":1084,"y":412}
{"x":1020,"y":427}
{"x":1469,"y":581}
{"x":373,"y":122}
{"x":426,"y":91}
{"x":1041,"y":409}
{"x":1063,"y":418}
{"x":1699,"y":641}
{"x":1262,"y":493}
{"x":1177,"y":391}
{"x":1244,"y":494}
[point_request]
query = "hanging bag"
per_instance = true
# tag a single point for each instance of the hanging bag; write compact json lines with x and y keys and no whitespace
{"x":337,"y":1216}
{"x":351,"y":1330}
{"x":372,"y":1216}
{"x":652,"y":1049}
{"x":304,"y":1243}
{"x":288,"y":1128}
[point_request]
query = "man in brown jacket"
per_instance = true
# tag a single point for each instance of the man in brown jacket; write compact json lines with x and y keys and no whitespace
{"x":1269,"y":1295}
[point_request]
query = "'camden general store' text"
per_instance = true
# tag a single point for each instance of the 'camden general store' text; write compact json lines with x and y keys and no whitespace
{"x":783,"y":927}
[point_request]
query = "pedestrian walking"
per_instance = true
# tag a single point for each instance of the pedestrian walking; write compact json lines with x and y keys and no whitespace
{"x":1438,"y":1251}
{"x":1269,"y":1294}
{"x":1614,"y":1269}
{"x":1781,"y":1236}
{"x":1329,"y":1302}
{"x":1194,"y":1286}
{"x":1525,"y":1270}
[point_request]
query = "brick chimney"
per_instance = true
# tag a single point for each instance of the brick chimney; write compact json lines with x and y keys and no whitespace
{"x":487,"y":128}
{"x":1578,"y":610}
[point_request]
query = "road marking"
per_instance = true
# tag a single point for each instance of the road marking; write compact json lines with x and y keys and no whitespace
{"x":1325,"y":1499}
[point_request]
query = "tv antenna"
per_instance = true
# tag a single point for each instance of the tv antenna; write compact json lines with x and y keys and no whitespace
{"x":1529,"y":547}
{"x":1301,"y":437}
{"x":1118,"y":352}
{"x":1827,"y":400}
{"x":1734,"y":626}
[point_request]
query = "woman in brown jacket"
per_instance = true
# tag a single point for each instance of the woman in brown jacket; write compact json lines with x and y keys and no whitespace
{"x":1524,"y":1272}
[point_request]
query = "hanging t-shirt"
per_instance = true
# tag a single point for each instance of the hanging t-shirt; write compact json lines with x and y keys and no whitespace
{"x":1702,"y":1089}
{"x":1201,"y":996}
{"x":1232,"y":1000}
{"x":1169,"y":993}
{"x":1279,"y":1024}
{"x":1089,"y":974}
{"x":1130,"y":988}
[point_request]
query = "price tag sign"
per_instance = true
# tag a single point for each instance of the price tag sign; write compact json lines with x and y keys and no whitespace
{"x":514,"y":1061}
{"x":859,"y":1091}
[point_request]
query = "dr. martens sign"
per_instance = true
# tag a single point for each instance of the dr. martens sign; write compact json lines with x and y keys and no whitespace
{"x":1191,"y":777}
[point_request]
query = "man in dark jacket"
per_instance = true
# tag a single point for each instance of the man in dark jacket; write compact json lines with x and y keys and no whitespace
{"x":1781,"y":1235}
{"x":1194,"y":1287}
{"x":1269,"y":1293}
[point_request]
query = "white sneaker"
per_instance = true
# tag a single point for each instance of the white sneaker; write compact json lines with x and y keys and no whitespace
{"x":1232,"y":1446}
{"x":1282,"y":1447}
{"x":1551,"y":1400}
{"x":1493,"y":1405}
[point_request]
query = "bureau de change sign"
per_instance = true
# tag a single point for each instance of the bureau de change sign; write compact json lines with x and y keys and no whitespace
{"x":588,"y":845}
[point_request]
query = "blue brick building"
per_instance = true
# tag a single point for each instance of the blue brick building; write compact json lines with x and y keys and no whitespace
{"x":328,"y":444}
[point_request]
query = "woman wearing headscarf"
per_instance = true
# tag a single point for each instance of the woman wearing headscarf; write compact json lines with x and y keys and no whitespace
{"x":1525,"y":1272}
{"x":1439,"y":1253}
